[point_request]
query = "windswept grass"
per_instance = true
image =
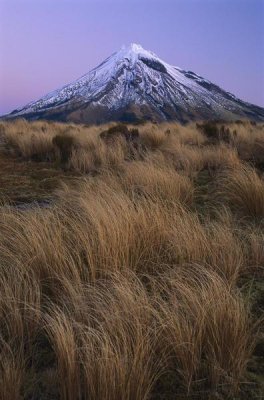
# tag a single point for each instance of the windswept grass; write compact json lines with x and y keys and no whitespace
{"x":136,"y":281}
{"x":242,"y":189}
{"x":196,"y":304}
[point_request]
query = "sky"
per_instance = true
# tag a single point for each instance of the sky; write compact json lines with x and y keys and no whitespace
{"x":45,"y":44}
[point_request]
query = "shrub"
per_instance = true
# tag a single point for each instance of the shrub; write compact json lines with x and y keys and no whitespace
{"x":210,"y":129}
{"x":114,"y":131}
{"x":120,"y":130}
{"x":65,"y":144}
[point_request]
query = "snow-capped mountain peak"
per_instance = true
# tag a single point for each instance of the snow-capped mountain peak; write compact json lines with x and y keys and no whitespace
{"x":133,"y":84}
{"x":134,"y":50}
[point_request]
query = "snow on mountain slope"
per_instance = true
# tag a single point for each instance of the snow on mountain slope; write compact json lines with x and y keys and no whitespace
{"x":136,"y":84}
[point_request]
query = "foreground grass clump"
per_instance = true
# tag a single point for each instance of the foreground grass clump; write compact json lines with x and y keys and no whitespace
{"x":243,"y":189}
{"x":141,"y":279}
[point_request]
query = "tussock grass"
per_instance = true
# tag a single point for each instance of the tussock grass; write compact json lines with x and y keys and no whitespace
{"x":153,"y":138}
{"x":242,"y":189}
{"x":160,"y":183}
{"x":11,"y":372}
{"x":196,"y":303}
{"x":256,"y":245}
{"x":125,"y":287}
{"x":96,"y":155}
{"x":29,"y":143}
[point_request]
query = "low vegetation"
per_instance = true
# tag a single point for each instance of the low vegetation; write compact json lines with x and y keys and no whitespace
{"x":141,"y":278}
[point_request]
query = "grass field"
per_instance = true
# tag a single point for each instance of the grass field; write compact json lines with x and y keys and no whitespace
{"x":131,"y":261}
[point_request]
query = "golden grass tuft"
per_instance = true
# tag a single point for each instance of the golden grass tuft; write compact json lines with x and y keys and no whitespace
{"x":152,"y":137}
{"x":196,"y":304}
{"x":242,"y":189}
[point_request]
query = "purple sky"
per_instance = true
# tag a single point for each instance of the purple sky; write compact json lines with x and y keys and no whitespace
{"x":45,"y":44}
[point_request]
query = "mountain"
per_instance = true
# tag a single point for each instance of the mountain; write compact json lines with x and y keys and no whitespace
{"x":134,"y":84}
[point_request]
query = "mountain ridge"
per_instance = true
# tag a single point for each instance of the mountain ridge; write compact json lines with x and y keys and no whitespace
{"x":134,"y":84}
